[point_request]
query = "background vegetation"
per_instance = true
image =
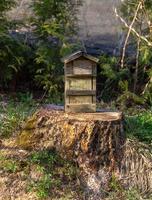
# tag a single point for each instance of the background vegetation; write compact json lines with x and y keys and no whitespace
{"x":32,"y":62}
{"x":31,"y":66}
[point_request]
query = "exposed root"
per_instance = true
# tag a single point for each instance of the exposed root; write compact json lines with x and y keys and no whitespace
{"x":136,"y":167}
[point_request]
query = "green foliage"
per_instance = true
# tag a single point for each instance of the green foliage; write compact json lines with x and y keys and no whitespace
{"x":148,"y":90}
{"x":143,"y":27}
{"x":5,"y":5}
{"x":42,"y":187}
{"x":130,"y":194}
{"x":128,"y":7}
{"x":127,"y":98}
{"x":26,"y":98}
{"x":55,"y":18}
{"x":46,"y":158}
{"x":119,"y":193}
{"x":115,"y":185}
{"x":118,"y":84}
{"x":140,"y":126}
{"x":8,"y":165}
{"x":55,"y":22}
{"x":13,"y":52}
{"x":13,"y":56}
{"x":12,"y":115}
{"x":49,"y":70}
{"x":52,"y":168}
{"x":49,"y":158}
{"x":108,"y":64}
{"x":112,"y":75}
{"x":132,"y":84}
{"x":45,"y":161}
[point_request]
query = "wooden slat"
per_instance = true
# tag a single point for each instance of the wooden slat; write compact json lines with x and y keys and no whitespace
{"x":80,"y":99}
{"x":80,"y":75}
{"x":79,"y":84}
{"x":94,"y":69}
{"x":68,"y":68}
{"x":82,"y":66}
{"x":80,"y":108}
{"x":80,"y":92}
{"x":94,"y":88}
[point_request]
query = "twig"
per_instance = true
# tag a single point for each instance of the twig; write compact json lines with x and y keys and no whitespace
{"x":138,"y":53}
{"x":133,"y":30}
{"x":146,"y":86}
{"x":128,"y":34}
{"x":137,"y":64}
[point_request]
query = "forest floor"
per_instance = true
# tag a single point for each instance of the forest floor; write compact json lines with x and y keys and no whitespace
{"x":26,"y":174}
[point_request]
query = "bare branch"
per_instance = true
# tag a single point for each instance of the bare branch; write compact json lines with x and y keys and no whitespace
{"x":137,"y":64}
{"x":128,"y":34}
{"x":133,"y":30}
{"x":146,"y":86}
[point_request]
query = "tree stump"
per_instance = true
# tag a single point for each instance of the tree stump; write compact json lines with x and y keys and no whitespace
{"x":92,"y":140}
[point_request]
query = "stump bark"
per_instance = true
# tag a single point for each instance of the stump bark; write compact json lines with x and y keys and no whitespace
{"x":93,"y":140}
{"x":96,"y":142}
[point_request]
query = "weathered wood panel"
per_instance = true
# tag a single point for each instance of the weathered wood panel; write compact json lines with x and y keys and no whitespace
{"x":80,"y":92}
{"x":79,"y":84}
{"x":80,"y":99}
{"x":94,"y":69}
{"x":94,"y":88}
{"x":69,"y":68}
{"x":80,"y":108}
{"x":80,"y":76}
{"x":82,"y":66}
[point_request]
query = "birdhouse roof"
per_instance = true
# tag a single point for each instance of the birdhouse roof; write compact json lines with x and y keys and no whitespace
{"x":79,"y":54}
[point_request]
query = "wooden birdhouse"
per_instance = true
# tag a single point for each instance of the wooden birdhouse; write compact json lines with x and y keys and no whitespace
{"x":80,"y":82}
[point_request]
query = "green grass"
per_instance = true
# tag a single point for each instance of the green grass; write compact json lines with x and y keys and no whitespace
{"x":55,"y":172}
{"x":118,"y":192}
{"x":13,"y":111}
{"x":8,"y":164}
{"x":130,"y":194}
{"x":41,"y":187}
{"x":140,"y":126}
{"x":45,"y":172}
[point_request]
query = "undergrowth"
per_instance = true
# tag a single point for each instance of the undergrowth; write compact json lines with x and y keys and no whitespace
{"x":8,"y":165}
{"x":13,"y":111}
{"x":52,"y":172}
{"x":140,"y":126}
{"x":118,"y":192}
{"x":47,"y":173}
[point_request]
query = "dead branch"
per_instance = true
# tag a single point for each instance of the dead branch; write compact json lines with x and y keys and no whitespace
{"x":133,"y":30}
{"x":129,"y":31}
{"x":147,"y":85}
{"x":137,"y":64}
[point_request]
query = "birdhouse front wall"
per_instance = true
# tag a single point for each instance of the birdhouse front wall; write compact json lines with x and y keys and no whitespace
{"x":80,"y":99}
{"x":80,"y":67}
{"x":80,"y":85}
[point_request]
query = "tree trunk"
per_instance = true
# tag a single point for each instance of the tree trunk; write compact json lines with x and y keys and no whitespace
{"x":95,"y":141}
